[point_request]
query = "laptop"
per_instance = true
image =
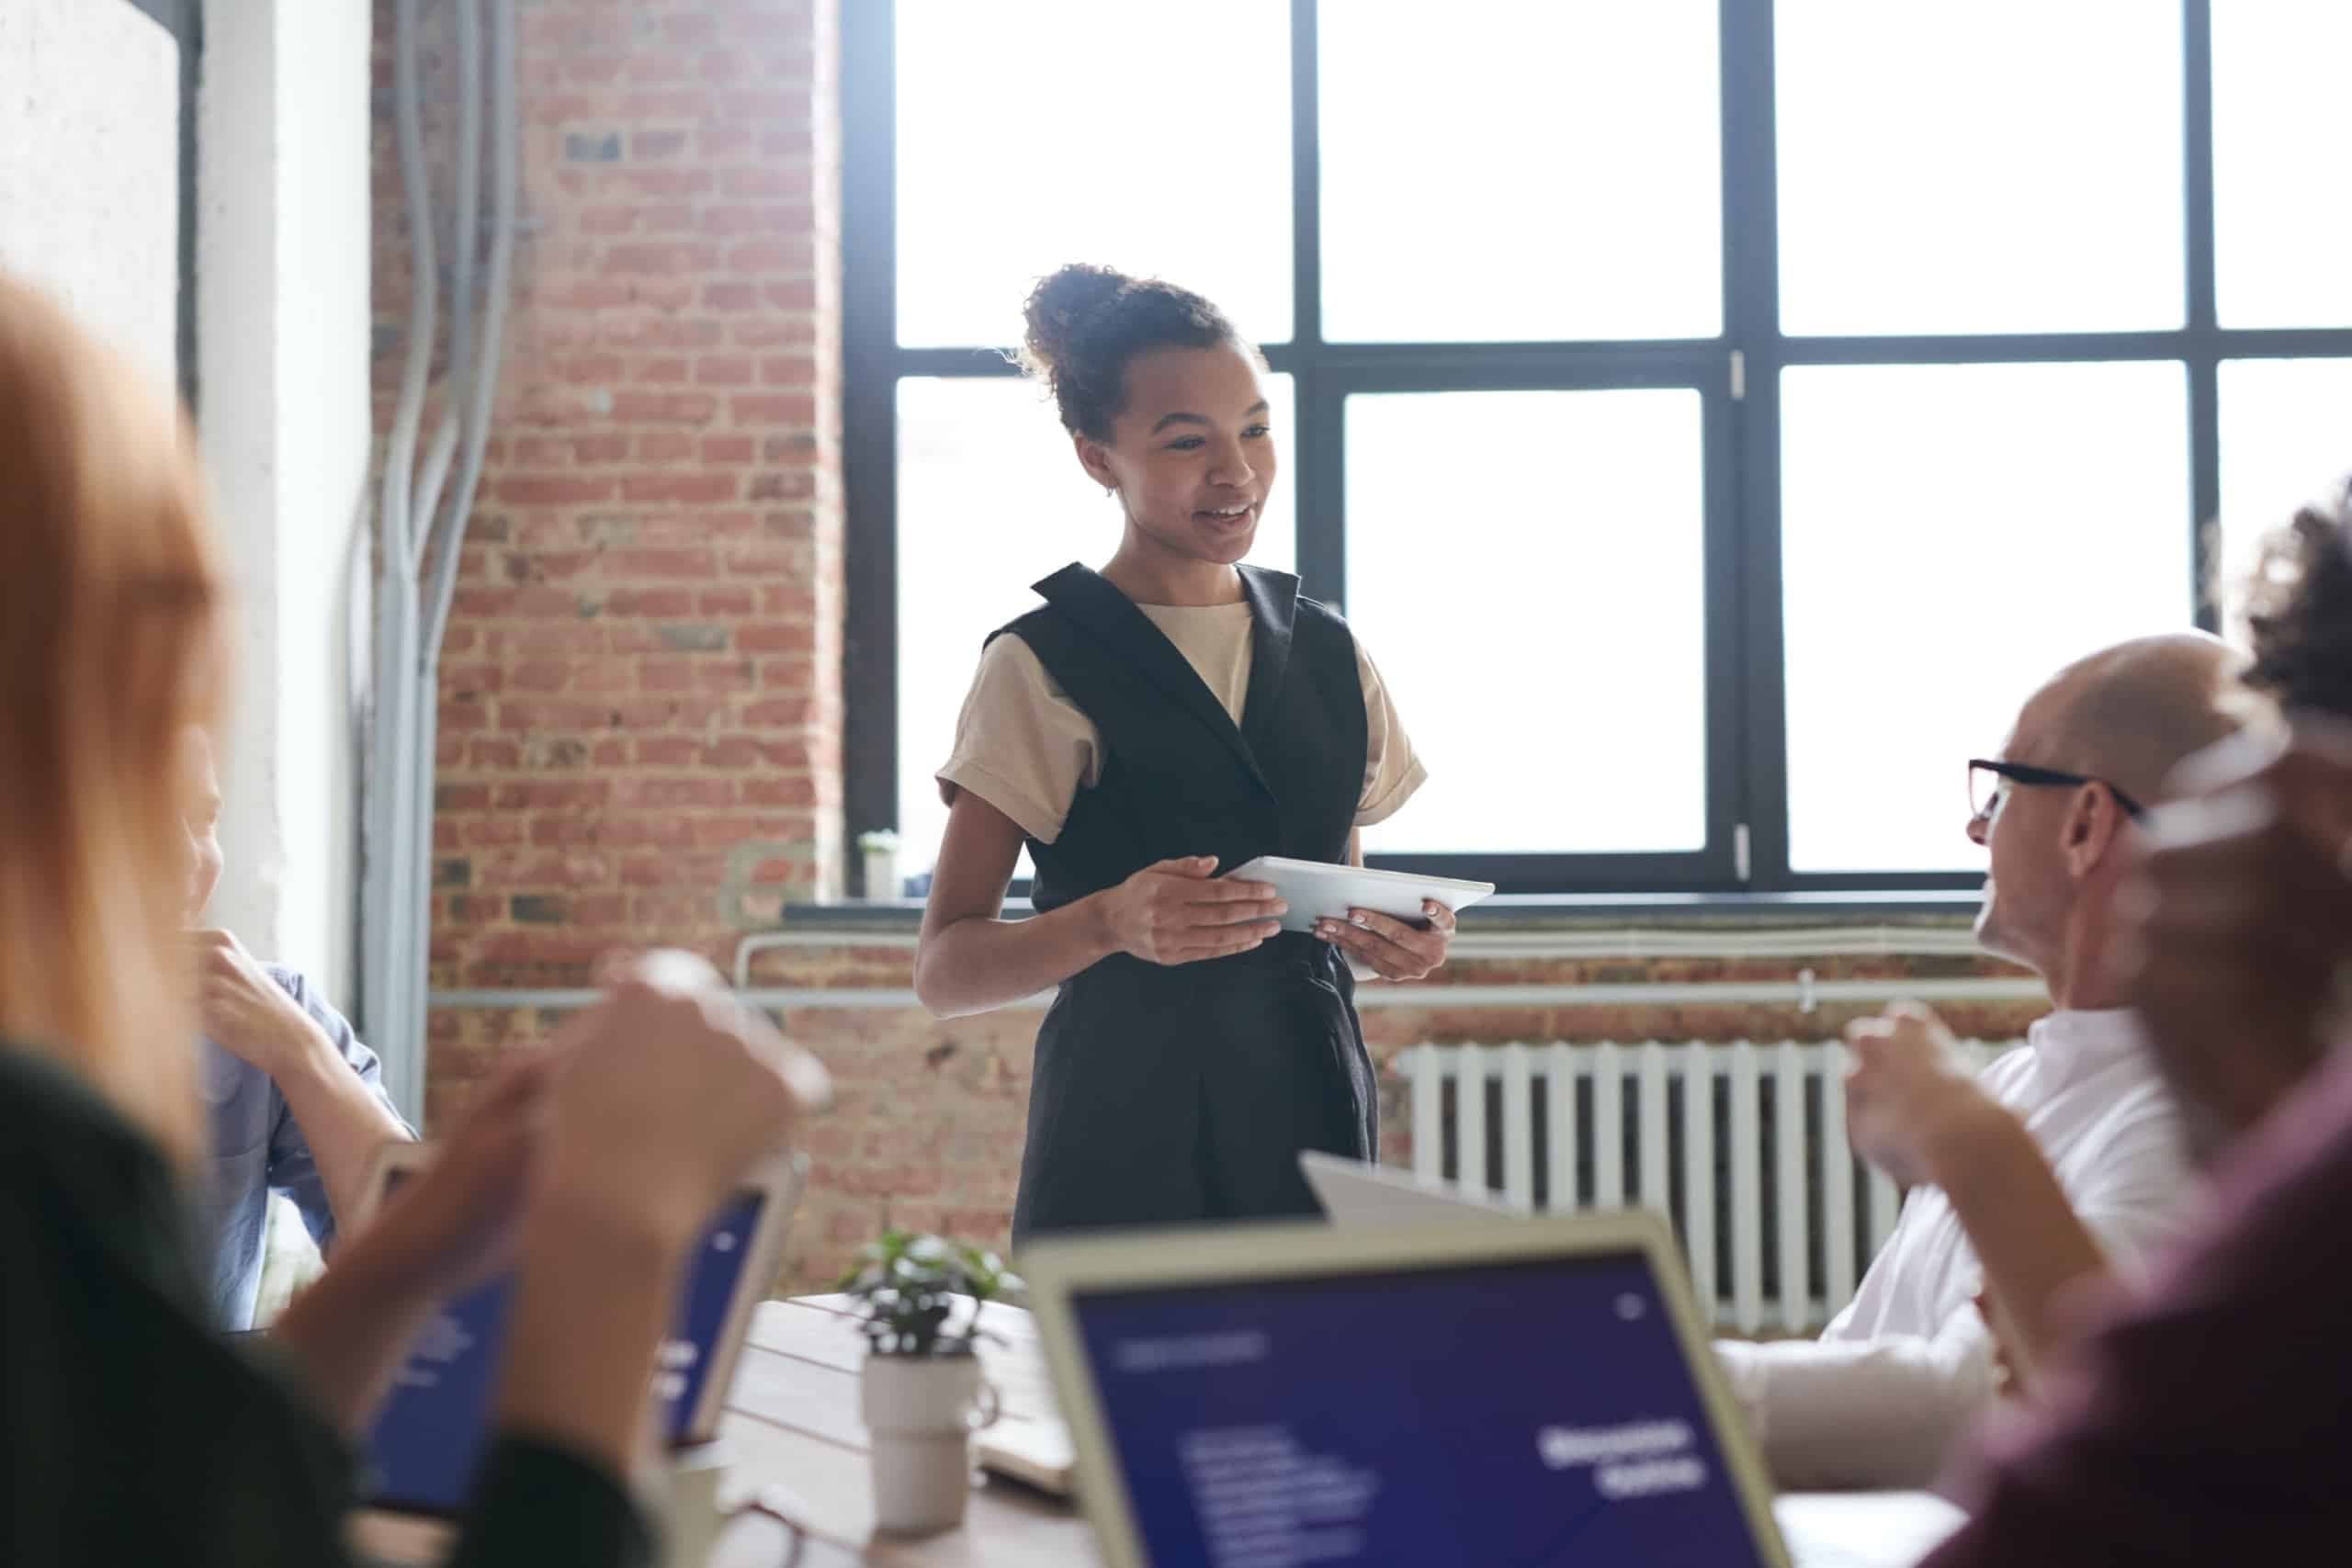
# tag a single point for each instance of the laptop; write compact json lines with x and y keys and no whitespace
{"x":1535,"y":1393}
{"x":1357,"y":1194}
{"x":420,"y":1454}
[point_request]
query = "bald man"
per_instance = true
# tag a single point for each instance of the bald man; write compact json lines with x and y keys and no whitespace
{"x":1878,"y":1398}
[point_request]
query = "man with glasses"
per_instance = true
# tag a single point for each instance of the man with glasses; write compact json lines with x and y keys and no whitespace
{"x":1877,"y":1399}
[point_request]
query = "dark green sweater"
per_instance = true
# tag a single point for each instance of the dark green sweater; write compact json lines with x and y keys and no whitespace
{"x":130,"y":1432}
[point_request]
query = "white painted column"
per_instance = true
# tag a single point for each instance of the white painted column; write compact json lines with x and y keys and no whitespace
{"x":283,"y":257}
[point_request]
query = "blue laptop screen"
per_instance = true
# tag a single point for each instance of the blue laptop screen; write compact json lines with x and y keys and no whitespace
{"x":1508,"y":1415}
{"x":429,"y":1435}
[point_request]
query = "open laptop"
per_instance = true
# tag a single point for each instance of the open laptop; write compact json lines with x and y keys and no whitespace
{"x":1357,"y":1194}
{"x":421,"y":1453}
{"x":1535,"y":1393}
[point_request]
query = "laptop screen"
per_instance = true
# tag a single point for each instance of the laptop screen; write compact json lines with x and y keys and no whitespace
{"x":430,"y":1433}
{"x":1518,"y":1412}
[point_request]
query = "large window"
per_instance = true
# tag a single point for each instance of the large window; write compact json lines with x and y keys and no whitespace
{"x":1713,"y":415}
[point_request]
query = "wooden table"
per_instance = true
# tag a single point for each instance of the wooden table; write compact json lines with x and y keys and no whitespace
{"x":793,"y":1419}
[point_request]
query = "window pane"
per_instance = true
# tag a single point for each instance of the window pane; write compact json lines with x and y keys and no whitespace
{"x":2007,"y":166}
{"x":2281,"y":228}
{"x":1520,"y":171}
{"x":2286,"y":441}
{"x":1951,"y":535}
{"x":1527,"y":570}
{"x":990,"y":500}
{"x":1080,"y":131}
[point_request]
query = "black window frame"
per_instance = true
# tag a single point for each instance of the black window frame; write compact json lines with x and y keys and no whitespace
{"x":1736,"y":373}
{"x":184,"y":19}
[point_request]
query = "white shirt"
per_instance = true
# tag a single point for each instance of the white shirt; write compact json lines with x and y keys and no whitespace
{"x":1877,"y":1399}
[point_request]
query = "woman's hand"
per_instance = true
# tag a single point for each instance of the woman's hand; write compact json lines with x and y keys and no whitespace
{"x":452,"y":1224}
{"x":1178,"y":912}
{"x":667,"y":1092}
{"x":2240,"y":919}
{"x":1390,"y":948}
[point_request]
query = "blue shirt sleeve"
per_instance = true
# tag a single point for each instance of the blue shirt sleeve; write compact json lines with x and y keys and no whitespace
{"x":293,"y":1169}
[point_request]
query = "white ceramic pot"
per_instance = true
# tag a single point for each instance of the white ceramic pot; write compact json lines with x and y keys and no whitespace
{"x":922,"y":1412}
{"x":882,"y":874}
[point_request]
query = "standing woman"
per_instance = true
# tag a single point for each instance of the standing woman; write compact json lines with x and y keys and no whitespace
{"x":1175,"y":714}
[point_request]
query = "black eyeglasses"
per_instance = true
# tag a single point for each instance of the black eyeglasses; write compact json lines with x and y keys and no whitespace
{"x":1988,"y":781}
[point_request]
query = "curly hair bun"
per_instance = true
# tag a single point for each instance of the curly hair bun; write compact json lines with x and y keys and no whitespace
{"x":1059,"y":307}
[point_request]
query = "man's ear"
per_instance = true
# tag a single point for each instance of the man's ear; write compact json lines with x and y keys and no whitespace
{"x":2094,"y":820}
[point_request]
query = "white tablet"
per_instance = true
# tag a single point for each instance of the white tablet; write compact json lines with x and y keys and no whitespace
{"x":1317,"y":891}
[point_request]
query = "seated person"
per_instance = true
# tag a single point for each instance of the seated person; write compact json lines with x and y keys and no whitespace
{"x":133,"y":1433}
{"x":2201,"y":1418}
{"x":298,"y":1105}
{"x":1880,"y":1396}
{"x":1916,"y":1110}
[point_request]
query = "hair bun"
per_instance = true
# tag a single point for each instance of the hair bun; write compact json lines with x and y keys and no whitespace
{"x":1058,"y":307}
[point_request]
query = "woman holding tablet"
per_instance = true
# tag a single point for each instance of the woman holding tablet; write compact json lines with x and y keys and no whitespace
{"x":1175,"y":714}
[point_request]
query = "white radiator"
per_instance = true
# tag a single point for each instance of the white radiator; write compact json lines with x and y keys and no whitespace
{"x":1776,"y":1217}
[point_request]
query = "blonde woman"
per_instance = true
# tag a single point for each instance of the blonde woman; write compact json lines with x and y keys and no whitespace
{"x":132,"y":1433}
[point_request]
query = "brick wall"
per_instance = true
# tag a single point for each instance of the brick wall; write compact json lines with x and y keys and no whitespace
{"x":639,"y":700}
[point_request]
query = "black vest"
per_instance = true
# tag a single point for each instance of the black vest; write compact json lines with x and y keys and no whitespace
{"x":1176,"y":1094}
{"x":1178,"y":778}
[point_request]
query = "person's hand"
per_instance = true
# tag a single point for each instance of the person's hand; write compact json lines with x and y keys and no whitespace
{"x":1178,"y":912}
{"x":1389,"y":947}
{"x":452,"y":1223}
{"x":244,"y":1011}
{"x":667,"y":1092}
{"x":1908,"y":1093}
{"x":2239,"y":919}
{"x":2012,"y":1369}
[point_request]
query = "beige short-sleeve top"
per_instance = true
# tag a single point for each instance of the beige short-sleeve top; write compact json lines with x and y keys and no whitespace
{"x":1023,"y":746}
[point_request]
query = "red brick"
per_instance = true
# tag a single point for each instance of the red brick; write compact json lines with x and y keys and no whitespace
{"x":698,"y":489}
{"x":723,"y":370}
{"x":664,"y":408}
{"x":659,"y":258}
{"x":666,"y":446}
{"x":765,"y":180}
{"x":556,"y":714}
{"x":785,"y":255}
{"x":788,"y":370}
{"x":607,"y":219}
{"x":535,"y":794}
{"x":554,"y":489}
{"x":635,"y":793}
{"x":772,"y":637}
{"x":772,"y":409}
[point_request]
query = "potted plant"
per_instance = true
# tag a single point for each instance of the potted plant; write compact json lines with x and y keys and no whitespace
{"x":921,"y":1391}
{"x":879,"y":852}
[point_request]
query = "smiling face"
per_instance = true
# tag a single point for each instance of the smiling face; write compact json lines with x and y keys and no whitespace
{"x":1192,"y":452}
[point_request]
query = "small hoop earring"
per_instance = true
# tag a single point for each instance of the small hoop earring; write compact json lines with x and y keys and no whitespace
{"x":1109,"y":490}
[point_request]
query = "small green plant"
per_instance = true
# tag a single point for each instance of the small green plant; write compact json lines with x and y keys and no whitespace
{"x":880,"y":839}
{"x":907,"y":1284}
